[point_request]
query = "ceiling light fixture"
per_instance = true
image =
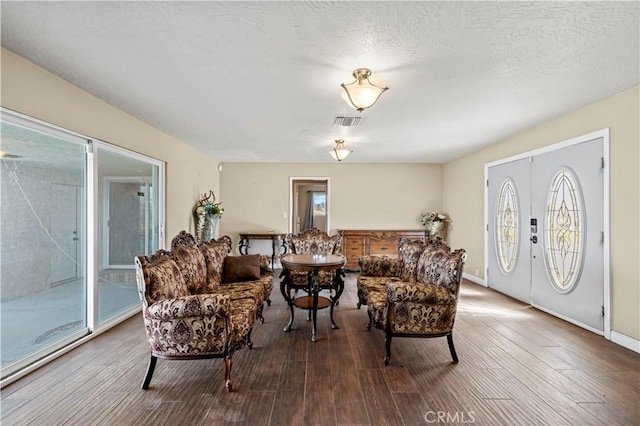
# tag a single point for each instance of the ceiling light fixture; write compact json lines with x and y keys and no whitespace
{"x":361,"y":94}
{"x":340,"y":152}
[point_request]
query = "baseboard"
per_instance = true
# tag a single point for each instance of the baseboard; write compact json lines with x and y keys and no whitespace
{"x":626,"y":341}
{"x":474,"y":279}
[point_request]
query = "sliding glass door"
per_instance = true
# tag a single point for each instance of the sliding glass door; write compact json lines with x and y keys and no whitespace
{"x":128,"y":210}
{"x":43,"y":241}
{"x":74,"y":214}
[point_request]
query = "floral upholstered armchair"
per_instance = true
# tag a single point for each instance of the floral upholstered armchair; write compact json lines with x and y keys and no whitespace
{"x":313,"y":241}
{"x":415,"y":295}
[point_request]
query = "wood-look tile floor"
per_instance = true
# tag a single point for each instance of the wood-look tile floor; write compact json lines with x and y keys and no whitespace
{"x":517,"y":366}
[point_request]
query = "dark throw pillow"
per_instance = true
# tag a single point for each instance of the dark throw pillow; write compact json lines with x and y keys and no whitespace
{"x":241,"y":268}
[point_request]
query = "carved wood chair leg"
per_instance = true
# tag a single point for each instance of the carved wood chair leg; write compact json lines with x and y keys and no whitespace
{"x":452,"y":349}
{"x":150,"y":370}
{"x":268,"y":301}
{"x":249,"y":342}
{"x":259,"y":314}
{"x":387,"y":345}
{"x":370,"y":321}
{"x":228,"y":363}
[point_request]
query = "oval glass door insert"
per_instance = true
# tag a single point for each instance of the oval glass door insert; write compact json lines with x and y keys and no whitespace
{"x":507,"y":226}
{"x":564,"y":230}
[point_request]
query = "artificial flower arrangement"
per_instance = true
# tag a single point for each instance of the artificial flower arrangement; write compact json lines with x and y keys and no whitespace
{"x":207,"y":205}
{"x":437,"y":224}
{"x":207,"y":213}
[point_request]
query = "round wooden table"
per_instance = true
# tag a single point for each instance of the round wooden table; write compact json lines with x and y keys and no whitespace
{"x":312,"y":264}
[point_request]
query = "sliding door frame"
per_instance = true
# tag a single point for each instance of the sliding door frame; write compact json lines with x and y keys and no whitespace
{"x":91,"y":249}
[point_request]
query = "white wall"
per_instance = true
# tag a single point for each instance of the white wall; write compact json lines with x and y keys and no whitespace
{"x":31,"y":90}
{"x":361,"y":196}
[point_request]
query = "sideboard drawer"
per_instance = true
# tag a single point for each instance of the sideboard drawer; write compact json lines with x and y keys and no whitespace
{"x":387,"y":246}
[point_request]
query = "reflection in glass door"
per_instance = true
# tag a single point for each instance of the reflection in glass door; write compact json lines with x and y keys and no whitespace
{"x":129,"y":208}
{"x":42,"y":265}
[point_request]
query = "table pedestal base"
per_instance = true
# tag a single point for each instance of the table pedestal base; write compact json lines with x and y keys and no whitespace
{"x":312,"y":301}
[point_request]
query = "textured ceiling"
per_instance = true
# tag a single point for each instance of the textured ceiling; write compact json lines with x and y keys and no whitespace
{"x":260,"y":81}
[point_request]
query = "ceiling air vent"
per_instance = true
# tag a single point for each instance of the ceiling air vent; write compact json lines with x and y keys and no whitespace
{"x":347,"y":121}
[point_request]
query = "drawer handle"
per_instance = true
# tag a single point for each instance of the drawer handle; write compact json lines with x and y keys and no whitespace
{"x":384,"y":248}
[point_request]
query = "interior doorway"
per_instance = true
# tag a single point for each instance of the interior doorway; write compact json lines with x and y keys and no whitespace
{"x":308,"y":204}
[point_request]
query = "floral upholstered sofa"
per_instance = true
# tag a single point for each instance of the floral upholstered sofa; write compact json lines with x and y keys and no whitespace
{"x":199,"y":302}
{"x":415,"y":295}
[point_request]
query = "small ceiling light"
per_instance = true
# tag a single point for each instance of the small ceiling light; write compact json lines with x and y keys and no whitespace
{"x":340,"y":152}
{"x":361,"y":94}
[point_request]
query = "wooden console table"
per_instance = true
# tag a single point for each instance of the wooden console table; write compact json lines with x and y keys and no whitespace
{"x":277,"y":239}
{"x":356,"y":243}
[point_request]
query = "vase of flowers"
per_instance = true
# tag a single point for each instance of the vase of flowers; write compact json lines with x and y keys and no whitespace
{"x":437,"y":224}
{"x":207,"y":214}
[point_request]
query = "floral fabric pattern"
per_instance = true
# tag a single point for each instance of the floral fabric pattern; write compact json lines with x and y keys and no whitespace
{"x":314,"y":241}
{"x":192,"y":325}
{"x":419,"y":297}
{"x":440,"y":267}
{"x":368,"y":284}
{"x":160,"y":280}
{"x":214,"y":253}
{"x":193,"y":267}
{"x":242,"y":318}
{"x":265,"y":264}
{"x":419,"y":318}
{"x":187,"y":311}
{"x":379,"y":266}
{"x":409,"y":252}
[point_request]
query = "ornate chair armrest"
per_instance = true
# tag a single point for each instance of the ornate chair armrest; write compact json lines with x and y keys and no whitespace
{"x":379,"y":266}
{"x":430,"y":294}
{"x":199,"y":305}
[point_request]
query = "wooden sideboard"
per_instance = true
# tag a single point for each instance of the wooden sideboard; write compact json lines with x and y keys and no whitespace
{"x":356,"y":243}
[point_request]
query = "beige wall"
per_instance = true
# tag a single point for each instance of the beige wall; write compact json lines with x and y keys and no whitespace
{"x":33,"y":91}
{"x":463,"y":190}
{"x":361,"y":196}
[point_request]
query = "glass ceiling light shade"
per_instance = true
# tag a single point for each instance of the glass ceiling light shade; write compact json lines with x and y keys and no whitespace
{"x":340,"y":152}
{"x":361,"y":94}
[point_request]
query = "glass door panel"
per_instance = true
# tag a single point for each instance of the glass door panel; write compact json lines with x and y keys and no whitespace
{"x":128,"y":205}
{"x":42,"y":263}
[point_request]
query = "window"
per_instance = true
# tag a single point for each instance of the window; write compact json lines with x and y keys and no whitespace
{"x":59,"y":193}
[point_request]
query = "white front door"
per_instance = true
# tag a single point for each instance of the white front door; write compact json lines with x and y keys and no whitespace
{"x":546,"y":231}
{"x":509,"y":195}
{"x":568,"y":261}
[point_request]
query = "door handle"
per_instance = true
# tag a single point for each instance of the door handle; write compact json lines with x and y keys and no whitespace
{"x":534,"y":239}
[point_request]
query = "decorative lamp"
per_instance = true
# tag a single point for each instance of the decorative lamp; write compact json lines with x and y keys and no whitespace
{"x":361,"y":94}
{"x":340,"y":152}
